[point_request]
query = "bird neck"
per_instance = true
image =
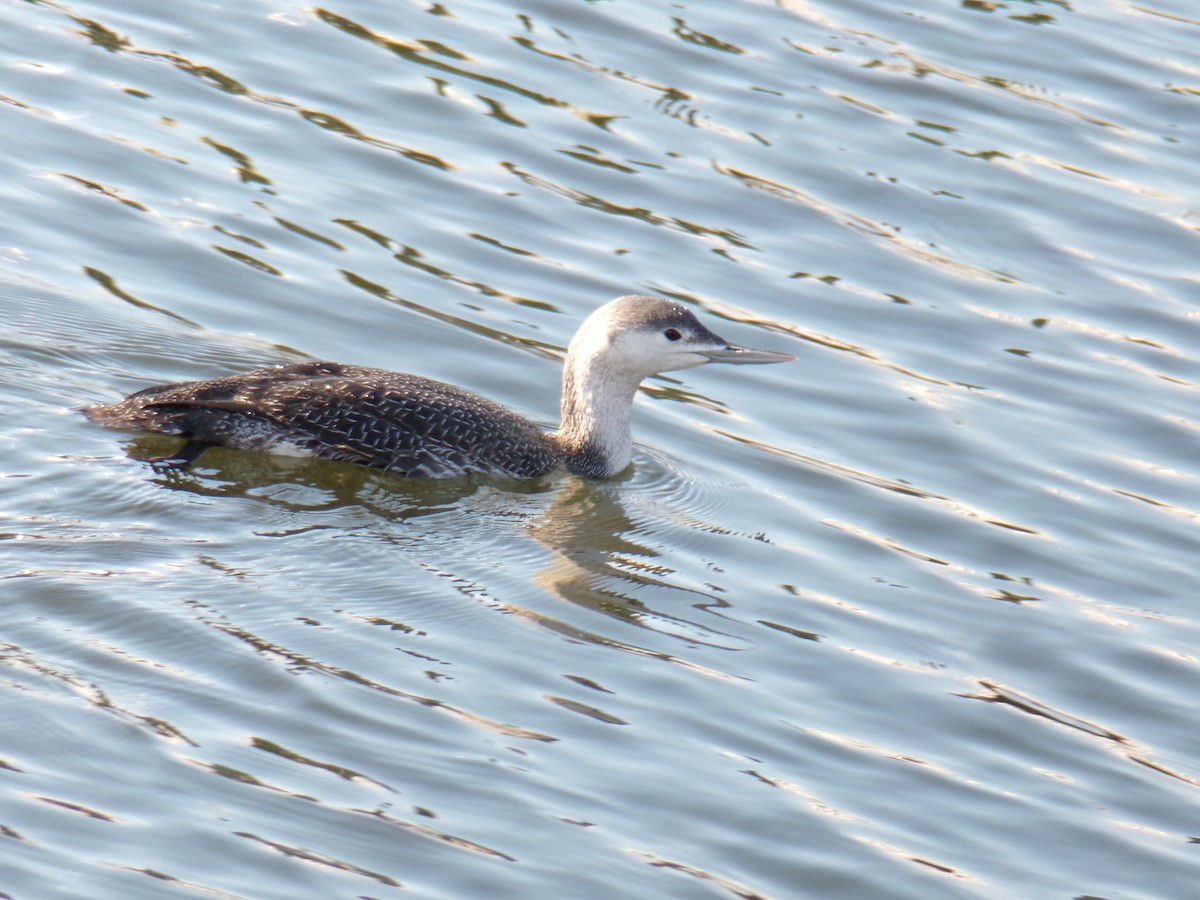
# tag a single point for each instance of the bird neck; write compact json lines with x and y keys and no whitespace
{"x":596,"y":402}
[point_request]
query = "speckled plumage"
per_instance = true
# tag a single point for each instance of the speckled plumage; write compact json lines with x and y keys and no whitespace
{"x":387,"y":420}
{"x":419,"y":427}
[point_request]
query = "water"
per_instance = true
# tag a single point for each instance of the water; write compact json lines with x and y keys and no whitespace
{"x":912,"y":617}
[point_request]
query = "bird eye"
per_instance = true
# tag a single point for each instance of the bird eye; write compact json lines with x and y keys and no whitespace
{"x":672,"y":334}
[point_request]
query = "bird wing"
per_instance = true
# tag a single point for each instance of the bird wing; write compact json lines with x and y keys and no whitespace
{"x":389,"y":420}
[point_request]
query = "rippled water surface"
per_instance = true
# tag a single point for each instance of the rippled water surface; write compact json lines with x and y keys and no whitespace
{"x":915,"y":616}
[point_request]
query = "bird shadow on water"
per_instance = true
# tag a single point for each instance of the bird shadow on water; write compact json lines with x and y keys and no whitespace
{"x":584,"y":544}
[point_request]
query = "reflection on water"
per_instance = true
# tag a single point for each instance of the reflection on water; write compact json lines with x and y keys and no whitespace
{"x":304,"y":484}
{"x":596,"y":559}
{"x":599,"y":565}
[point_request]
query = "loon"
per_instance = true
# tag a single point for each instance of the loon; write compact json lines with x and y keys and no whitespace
{"x":418,"y":427}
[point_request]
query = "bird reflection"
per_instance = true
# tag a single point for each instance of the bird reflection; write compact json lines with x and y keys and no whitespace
{"x":599,"y":560}
{"x":301,"y":483}
{"x":598,"y":565}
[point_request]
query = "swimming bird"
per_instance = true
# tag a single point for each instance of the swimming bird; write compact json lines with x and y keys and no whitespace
{"x":419,"y":427}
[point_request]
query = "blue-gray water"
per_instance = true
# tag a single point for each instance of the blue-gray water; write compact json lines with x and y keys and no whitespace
{"x":914,"y":616}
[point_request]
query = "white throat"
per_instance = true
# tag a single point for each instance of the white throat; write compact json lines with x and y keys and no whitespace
{"x":597,"y":398}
